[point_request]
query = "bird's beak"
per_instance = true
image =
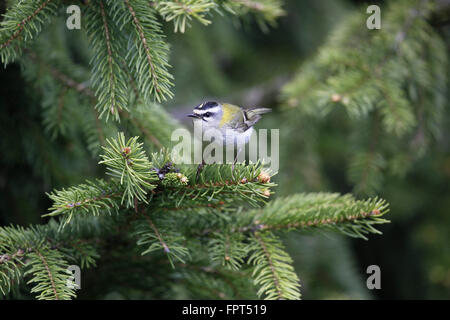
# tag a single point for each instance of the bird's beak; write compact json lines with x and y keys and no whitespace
{"x":193,"y":115}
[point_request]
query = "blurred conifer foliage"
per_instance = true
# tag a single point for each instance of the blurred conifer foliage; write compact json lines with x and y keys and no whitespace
{"x":163,"y":230}
{"x":371,"y":110}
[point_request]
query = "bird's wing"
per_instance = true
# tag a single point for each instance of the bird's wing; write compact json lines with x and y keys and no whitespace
{"x":243,"y":119}
{"x":231,"y":115}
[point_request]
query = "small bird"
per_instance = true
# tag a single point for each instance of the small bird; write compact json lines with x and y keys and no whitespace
{"x":233,"y":122}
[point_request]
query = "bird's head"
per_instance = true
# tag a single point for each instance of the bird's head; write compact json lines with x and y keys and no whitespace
{"x":209,"y":113}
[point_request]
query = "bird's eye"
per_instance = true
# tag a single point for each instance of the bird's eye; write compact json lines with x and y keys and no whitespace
{"x":207,"y":114}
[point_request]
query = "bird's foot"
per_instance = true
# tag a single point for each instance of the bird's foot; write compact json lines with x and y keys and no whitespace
{"x":199,"y":169}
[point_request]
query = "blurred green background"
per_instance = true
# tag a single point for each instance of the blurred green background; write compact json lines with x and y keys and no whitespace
{"x":236,"y":61}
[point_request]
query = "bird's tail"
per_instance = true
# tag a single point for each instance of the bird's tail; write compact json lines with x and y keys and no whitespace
{"x":252,"y":112}
{"x":252,"y":115}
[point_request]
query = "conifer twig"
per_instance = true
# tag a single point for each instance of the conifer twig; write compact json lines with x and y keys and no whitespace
{"x":144,"y":43}
{"x":21,"y":25}
{"x":50,"y":275}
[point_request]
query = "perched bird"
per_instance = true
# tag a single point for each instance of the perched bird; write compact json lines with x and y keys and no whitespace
{"x":233,"y":122}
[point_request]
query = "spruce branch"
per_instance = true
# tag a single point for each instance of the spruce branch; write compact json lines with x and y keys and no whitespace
{"x":135,"y":179}
{"x":273,"y":271}
{"x":161,"y":236}
{"x":48,"y":270}
{"x":364,"y":171}
{"x":55,"y":117}
{"x":65,"y":96}
{"x":383,"y":81}
{"x":80,"y":252}
{"x":266,"y":11}
{"x":148,"y":56}
{"x":95,"y":130}
{"x":216,"y":185}
{"x":398,"y":115}
{"x":181,"y":12}
{"x":228,"y":249}
{"x":69,"y":82}
{"x":15,"y":244}
{"x":108,"y":78}
{"x":126,"y":161}
{"x":22,"y":23}
{"x":165,"y":222}
{"x":10,"y":269}
{"x":327,"y":211}
{"x":204,"y":282}
{"x":27,"y":252}
{"x":146,"y":117}
{"x":349,"y":73}
{"x":91,"y":197}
